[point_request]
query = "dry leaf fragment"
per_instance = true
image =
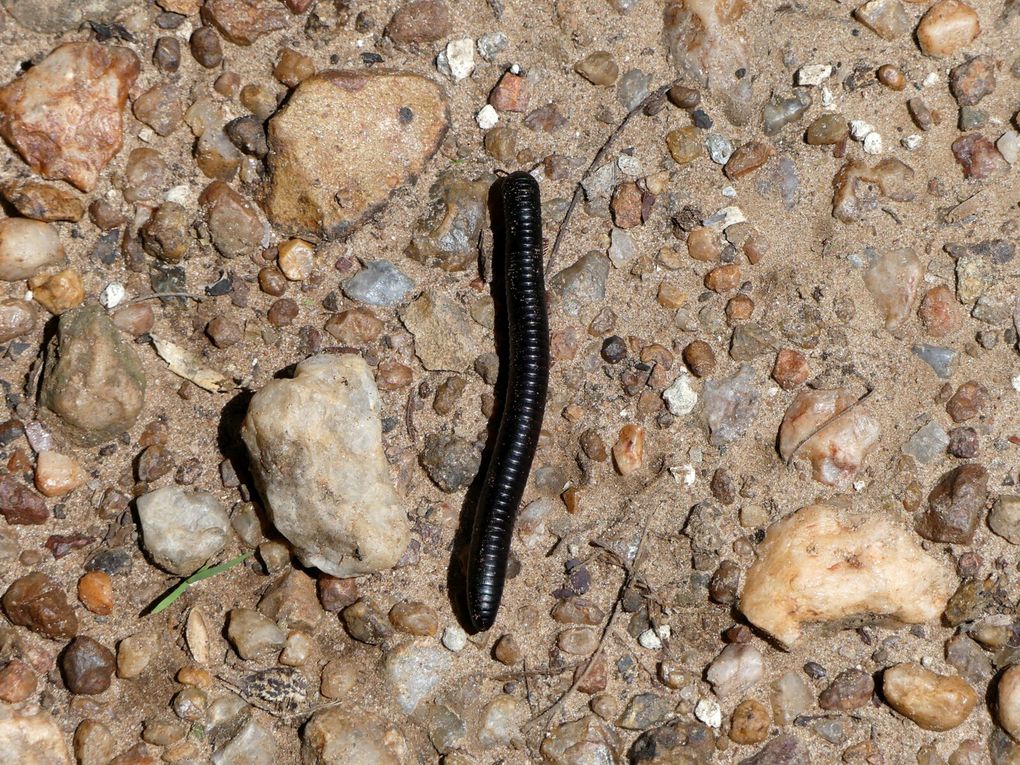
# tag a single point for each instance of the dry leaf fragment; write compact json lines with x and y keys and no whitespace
{"x":184,"y":364}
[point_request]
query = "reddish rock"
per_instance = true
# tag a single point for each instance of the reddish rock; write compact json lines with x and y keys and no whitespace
{"x":791,"y":369}
{"x":17,"y":318}
{"x":977,"y":156}
{"x":940,"y":313}
{"x":36,"y":601}
{"x":64,"y":116}
{"x":233,"y":224}
{"x":43,"y":201}
{"x":968,"y":401}
{"x":973,"y":80}
{"x":626,"y":205}
{"x":17,"y":682}
{"x":19,"y":504}
{"x":510,"y":94}
{"x":746,"y":159}
{"x":244,"y":21}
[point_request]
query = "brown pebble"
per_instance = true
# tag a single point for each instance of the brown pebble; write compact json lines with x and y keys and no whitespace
{"x":670,"y":296}
{"x":704,"y":244}
{"x":105,"y":214}
{"x":419,"y":21}
{"x":167,"y":54}
{"x":292,"y":68}
{"x":850,"y":690}
{"x":699,"y":358}
{"x":58,"y":292}
{"x":968,"y":401}
{"x":940,"y":313}
{"x":95,"y":591}
{"x":224,"y":332}
{"x":507,"y":651}
{"x":683,"y":97}
{"x":272,"y":281}
{"x":920,"y":113}
{"x":510,"y":93}
{"x":891,"y":77}
{"x":283,"y":312}
{"x":746,"y":159}
{"x":206,"y":47}
{"x":977,"y":156}
{"x":17,"y":681}
{"x":355,"y":326}
{"x":228,"y":84}
{"x":161,"y":108}
{"x":392,"y":375}
{"x":87,"y":666}
{"x":598,"y":68}
{"x":336,"y":594}
{"x":684,"y":145}
{"x":724,"y":278}
{"x":739,"y":308}
{"x":626,"y":205}
{"x":593,"y":446}
{"x":750,"y":722}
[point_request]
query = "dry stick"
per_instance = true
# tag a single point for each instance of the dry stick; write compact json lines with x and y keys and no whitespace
{"x":631,"y":575}
{"x":599,"y":156}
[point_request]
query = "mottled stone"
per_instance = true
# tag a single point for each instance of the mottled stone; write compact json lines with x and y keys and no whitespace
{"x":329,"y":176}
{"x":87,"y":666}
{"x":93,"y":381}
{"x":448,"y":235}
{"x":955,"y":505}
{"x":336,"y":505}
{"x":234,"y":225}
{"x":64,"y":115}
{"x":350,"y":736}
{"x":815,"y":567}
{"x":934,"y":702}
{"x":444,"y":339}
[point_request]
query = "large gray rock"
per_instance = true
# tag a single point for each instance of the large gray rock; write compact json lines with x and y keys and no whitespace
{"x":55,"y":16}
{"x":93,"y":381}
{"x":182,"y":529}
{"x":30,"y":739}
{"x":315,"y":443}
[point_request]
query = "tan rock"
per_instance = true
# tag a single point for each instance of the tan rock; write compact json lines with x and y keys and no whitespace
{"x":27,"y":247}
{"x":893,"y":280}
{"x":244,"y":21}
{"x":43,"y":201}
{"x":946,"y":27}
{"x":57,"y":474}
{"x":935,"y":702}
{"x":31,"y":737}
{"x":814,"y":567}
{"x":443,"y":336}
{"x":64,"y":116}
{"x":1009,"y":701}
{"x":58,"y":292}
{"x":329,"y":175}
{"x":316,"y":451}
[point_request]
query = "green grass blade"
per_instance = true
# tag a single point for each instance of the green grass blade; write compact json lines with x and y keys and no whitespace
{"x":203,"y":573}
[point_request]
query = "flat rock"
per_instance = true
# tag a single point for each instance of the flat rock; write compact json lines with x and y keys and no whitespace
{"x":330,"y":175}
{"x":315,"y":443}
{"x":31,"y":737}
{"x":814,"y":567}
{"x":93,"y":380}
{"x":57,"y":16}
{"x":244,"y":21}
{"x":349,"y":736}
{"x":443,"y":335}
{"x":64,"y":116}
{"x":182,"y":529}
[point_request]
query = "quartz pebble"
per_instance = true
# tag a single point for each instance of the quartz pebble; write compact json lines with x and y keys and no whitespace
{"x":886,"y":18}
{"x":800,"y":577}
{"x":946,"y":27}
{"x":182,"y":529}
{"x":1009,"y":701}
{"x":736,"y":670}
{"x":934,"y":702}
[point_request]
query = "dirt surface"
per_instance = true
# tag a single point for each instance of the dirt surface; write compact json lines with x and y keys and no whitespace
{"x":813,"y":262}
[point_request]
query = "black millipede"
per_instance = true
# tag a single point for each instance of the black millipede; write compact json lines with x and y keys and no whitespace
{"x":523,"y":405}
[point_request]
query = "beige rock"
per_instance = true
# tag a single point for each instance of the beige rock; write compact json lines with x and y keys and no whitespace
{"x":329,"y":175}
{"x":58,"y":292}
{"x":346,"y":736}
{"x":65,"y":115}
{"x":56,"y":474}
{"x":946,"y":27}
{"x":443,"y":336}
{"x":814,"y":567}
{"x":31,"y":737}
{"x":1009,"y":701}
{"x":43,"y":201}
{"x":27,"y":247}
{"x":17,"y":318}
{"x":316,"y":450}
{"x":244,"y":21}
{"x":893,"y":280}
{"x":826,"y":428}
{"x":935,"y":702}
{"x":296,"y":259}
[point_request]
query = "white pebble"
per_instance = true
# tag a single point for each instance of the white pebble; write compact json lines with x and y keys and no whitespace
{"x":813,"y":74}
{"x":630,"y":165}
{"x":487,"y":117}
{"x":726,"y":217}
{"x":180,"y":194}
{"x":113,"y":295}
{"x":827,"y":99}
{"x":859,"y":129}
{"x":684,"y":474}
{"x":454,"y":638}
{"x":515,"y":69}
{"x":911,"y":141}
{"x":930,"y":80}
{"x":873,"y":143}
{"x":648,"y":639}
{"x":680,"y":397}
{"x":458,"y":60}
{"x":1016,"y":383}
{"x":709,"y":712}
{"x":1009,"y":146}
{"x":729,"y":191}
{"x":147,"y":135}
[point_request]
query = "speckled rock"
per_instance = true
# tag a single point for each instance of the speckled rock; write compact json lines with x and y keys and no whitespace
{"x":17,"y":318}
{"x":329,"y":176}
{"x":182,"y":529}
{"x":814,"y":567}
{"x":31,"y":737}
{"x":64,"y":115}
{"x":935,"y":702}
{"x":93,"y":382}
{"x":43,"y":201}
{"x":583,"y":284}
{"x":782,"y":750}
{"x":325,"y":479}
{"x":87,"y":666}
{"x":414,"y":670}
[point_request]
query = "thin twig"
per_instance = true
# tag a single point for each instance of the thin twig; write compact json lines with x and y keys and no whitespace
{"x":161,"y":295}
{"x":599,"y":156}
